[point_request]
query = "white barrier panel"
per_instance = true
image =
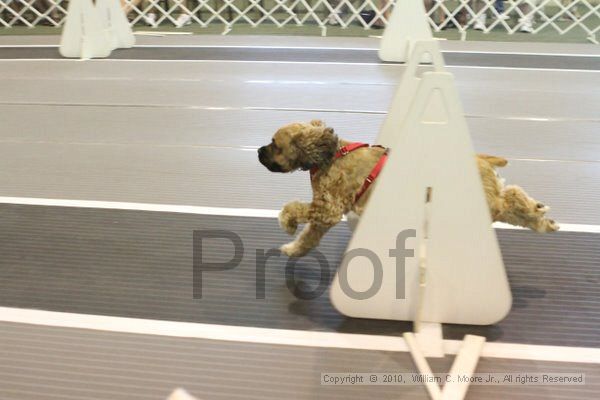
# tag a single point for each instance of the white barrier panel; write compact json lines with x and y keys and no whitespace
{"x":180,"y":394}
{"x":431,"y":167}
{"x":115,"y":22}
{"x":407,"y":25}
{"x":84,"y":34}
{"x":103,"y":10}
{"x":94,"y":31}
{"x":407,"y":89}
{"x":119,"y":25}
{"x":72,"y":33}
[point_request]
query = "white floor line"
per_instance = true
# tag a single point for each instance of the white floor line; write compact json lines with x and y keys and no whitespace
{"x":17,"y":46}
{"x":517,"y":53}
{"x":289,"y":62}
{"x":209,"y":46}
{"x":200,"y":210}
{"x":116,"y":205}
{"x":284,"y":337}
{"x":285,"y":109}
{"x":293,"y":47}
{"x":523,"y":68}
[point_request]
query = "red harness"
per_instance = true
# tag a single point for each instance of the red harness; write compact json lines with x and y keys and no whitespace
{"x":374,"y":172}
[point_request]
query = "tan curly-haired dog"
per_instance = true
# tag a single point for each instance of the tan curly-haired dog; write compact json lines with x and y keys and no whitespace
{"x":336,"y":181}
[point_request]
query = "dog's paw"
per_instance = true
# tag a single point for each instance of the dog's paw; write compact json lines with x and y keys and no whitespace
{"x":545,"y":225}
{"x":292,"y":249}
{"x":287,"y":219}
{"x":288,"y":223}
{"x":549,"y":225}
{"x":541,"y":208}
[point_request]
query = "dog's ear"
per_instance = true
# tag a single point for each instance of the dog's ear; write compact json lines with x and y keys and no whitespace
{"x":316,"y":147}
{"x":317,"y":122}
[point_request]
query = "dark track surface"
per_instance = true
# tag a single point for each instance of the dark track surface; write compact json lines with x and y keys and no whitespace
{"x":317,"y":55}
{"x":139,"y":264}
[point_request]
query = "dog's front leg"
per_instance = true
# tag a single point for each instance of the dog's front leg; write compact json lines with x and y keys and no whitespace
{"x":292,"y":214}
{"x":308,"y":239}
{"x":322,"y":214}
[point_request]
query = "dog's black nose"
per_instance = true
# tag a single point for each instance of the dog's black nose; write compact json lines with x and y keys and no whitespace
{"x":261,"y":151}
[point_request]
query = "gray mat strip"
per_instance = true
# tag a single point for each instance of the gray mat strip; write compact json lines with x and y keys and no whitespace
{"x":322,"y":42}
{"x":546,"y":140}
{"x":521,"y":80}
{"x":317,"y":55}
{"x":221,"y":177}
{"x":39,"y":362}
{"x":139,"y":264}
{"x":495,"y":101}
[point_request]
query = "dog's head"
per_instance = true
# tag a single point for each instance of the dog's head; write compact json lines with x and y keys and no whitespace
{"x":299,"y":146}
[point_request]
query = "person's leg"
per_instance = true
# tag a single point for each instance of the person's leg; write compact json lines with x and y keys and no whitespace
{"x":185,"y":18}
{"x":499,"y":6}
{"x":428,"y":6}
{"x":572,"y":10}
{"x":332,"y":18}
{"x":379,"y":23}
{"x":527,"y":20}
{"x":128,"y":5}
{"x":480,"y":19}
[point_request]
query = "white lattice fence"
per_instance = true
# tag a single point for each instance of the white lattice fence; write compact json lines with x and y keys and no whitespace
{"x":530,"y":16}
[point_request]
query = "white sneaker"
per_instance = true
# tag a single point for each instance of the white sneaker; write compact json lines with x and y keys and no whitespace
{"x":480,"y":23}
{"x":527,"y":25}
{"x":332,"y":20}
{"x":503,"y":17}
{"x":150,"y":19}
{"x":183,"y":19}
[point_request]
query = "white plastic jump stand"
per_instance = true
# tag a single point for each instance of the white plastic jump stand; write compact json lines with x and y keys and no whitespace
{"x":407,"y":89}
{"x":352,"y":219}
{"x":94,"y":31}
{"x":407,"y":25}
{"x":84,"y":35}
{"x":430,"y":184}
{"x":116,"y":23}
{"x":180,"y":394}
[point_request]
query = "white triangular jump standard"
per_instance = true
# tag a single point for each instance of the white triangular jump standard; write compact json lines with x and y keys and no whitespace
{"x":115,"y":22}
{"x":407,"y":89}
{"x":424,"y":248}
{"x":94,"y":31}
{"x":407,"y":25}
{"x":432,"y":157}
{"x":180,"y":394}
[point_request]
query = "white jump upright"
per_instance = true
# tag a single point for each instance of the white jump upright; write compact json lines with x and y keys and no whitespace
{"x":424,"y":249}
{"x":180,"y":394}
{"x":407,"y":25}
{"x":407,"y":89}
{"x":94,"y":31}
{"x":431,"y":167}
{"x":115,"y":22}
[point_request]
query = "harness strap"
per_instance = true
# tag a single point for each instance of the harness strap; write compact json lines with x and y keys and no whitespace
{"x":374,"y":172}
{"x":349,"y":148}
{"x":342,"y":151}
{"x":372,"y":176}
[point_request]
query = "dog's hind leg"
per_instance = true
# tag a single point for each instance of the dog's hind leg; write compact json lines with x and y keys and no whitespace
{"x":518,"y":208}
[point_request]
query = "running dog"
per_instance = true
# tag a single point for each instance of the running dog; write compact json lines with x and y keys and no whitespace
{"x":341,"y":173}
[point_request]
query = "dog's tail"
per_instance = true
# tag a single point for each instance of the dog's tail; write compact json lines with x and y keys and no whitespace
{"x":493,"y":160}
